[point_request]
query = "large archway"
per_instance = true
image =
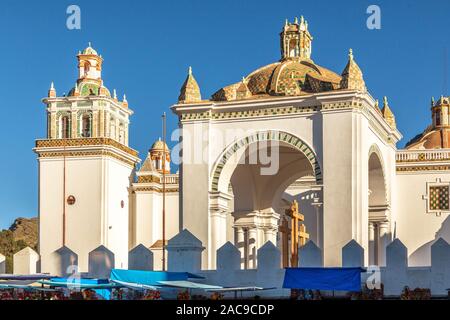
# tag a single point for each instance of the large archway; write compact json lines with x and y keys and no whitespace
{"x":259,"y":168}
{"x":378,"y":208}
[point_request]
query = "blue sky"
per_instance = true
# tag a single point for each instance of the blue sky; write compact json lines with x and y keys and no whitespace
{"x":148,"y":45}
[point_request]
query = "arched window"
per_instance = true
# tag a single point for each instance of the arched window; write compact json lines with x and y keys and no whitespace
{"x":86,"y":126}
{"x":438,"y":117}
{"x":87,"y":66}
{"x":293,"y":48}
{"x":64,"y":127}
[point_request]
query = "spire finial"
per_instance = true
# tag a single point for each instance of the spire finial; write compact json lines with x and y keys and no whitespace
{"x":76,"y":87}
{"x":52,"y":86}
{"x":124,"y":98}
{"x":296,"y":20}
{"x":432,"y":101}
{"x":350,"y":54}
{"x":286,"y":22}
{"x":302,"y":20}
{"x":114,"y":94}
{"x":89,"y":44}
{"x":377,"y":103}
{"x":190,"y":70}
{"x":385,"y":101}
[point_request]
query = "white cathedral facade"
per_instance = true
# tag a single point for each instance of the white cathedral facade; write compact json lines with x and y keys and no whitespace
{"x":327,"y":142}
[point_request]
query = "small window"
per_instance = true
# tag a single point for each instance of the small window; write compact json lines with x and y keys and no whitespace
{"x":86,"y":126}
{"x":439,"y":198}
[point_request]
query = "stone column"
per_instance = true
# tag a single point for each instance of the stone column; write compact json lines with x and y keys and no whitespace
{"x":383,"y":241}
{"x":240,"y":244}
{"x":371,"y":243}
{"x":252,"y":234}
{"x":218,"y":210}
{"x":270,"y":235}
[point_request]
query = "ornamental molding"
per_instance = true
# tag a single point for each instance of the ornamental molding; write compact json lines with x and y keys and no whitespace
{"x":423,"y":168}
{"x":79,"y":154}
{"x":83,"y":142}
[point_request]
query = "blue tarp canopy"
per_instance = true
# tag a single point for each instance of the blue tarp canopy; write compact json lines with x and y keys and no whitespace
{"x":150,"y":278}
{"x":101,"y":286}
{"x":38,"y":276}
{"x":339,"y":279}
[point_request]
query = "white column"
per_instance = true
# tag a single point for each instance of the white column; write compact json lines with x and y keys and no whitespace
{"x":218,"y":209}
{"x":240,"y":244}
{"x":383,"y":241}
{"x":270,"y":235}
{"x":252,"y":235}
{"x":218,"y":234}
{"x":371,"y":243}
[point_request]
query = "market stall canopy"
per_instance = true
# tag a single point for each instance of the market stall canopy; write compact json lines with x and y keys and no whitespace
{"x":38,"y":276}
{"x":150,"y":278}
{"x":80,"y":283}
{"x":134,"y":286}
{"x":339,"y":279}
{"x":188,"y":285}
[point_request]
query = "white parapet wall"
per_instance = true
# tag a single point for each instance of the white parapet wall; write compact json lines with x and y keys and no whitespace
{"x":25,"y":262}
{"x":2,"y":264}
{"x":184,"y":254}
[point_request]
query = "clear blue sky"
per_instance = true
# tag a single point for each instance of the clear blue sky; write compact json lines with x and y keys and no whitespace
{"x":148,"y":45}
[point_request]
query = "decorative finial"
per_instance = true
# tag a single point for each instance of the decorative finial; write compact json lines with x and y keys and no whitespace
{"x":243,"y":79}
{"x":377,"y":103}
{"x":89,"y":44}
{"x":385,"y":101}
{"x":76,"y":87}
{"x":114,"y":94}
{"x":124,"y":98}
{"x":302,"y":20}
{"x":52,"y":86}
{"x":350,"y":54}
{"x":190,"y":70}
{"x":296,"y":20}
{"x":432,"y":101}
{"x":286,"y":22}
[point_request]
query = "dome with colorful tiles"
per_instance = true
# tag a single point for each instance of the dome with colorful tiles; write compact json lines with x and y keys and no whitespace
{"x":295,"y":74}
{"x":88,"y":88}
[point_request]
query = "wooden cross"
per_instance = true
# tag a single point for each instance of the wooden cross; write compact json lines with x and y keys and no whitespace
{"x":298,"y":231}
{"x":285,"y":230}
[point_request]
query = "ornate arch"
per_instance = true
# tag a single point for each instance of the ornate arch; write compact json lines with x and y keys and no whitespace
{"x":270,"y":135}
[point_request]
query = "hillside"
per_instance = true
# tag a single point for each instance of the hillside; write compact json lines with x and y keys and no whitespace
{"x":22,"y":233}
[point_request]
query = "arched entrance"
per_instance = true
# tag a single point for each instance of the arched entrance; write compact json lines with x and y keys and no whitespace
{"x":378,"y":209}
{"x":259,"y":168}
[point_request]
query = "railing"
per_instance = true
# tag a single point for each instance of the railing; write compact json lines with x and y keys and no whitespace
{"x":172,"y":179}
{"x":422,"y":155}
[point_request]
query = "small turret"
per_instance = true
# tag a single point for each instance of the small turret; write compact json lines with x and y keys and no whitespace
{"x":125,"y":101}
{"x":388,"y":114}
{"x":190,"y":91}
{"x":52,"y":91}
{"x":352,"y":76}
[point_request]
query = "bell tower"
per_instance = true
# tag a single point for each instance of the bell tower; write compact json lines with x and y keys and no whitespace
{"x":85,"y":169}
{"x":89,"y":65}
{"x":296,"y":40}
